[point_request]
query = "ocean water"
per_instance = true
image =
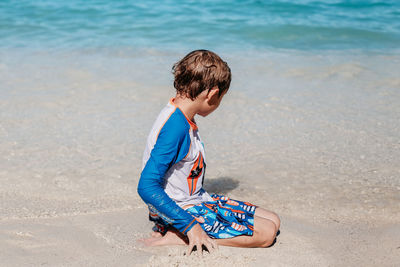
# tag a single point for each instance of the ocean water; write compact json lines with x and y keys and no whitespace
{"x":177,"y":25}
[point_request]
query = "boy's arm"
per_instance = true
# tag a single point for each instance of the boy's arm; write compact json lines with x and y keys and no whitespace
{"x":172,"y":145}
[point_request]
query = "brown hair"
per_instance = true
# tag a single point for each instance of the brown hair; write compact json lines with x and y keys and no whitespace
{"x":201,"y":70}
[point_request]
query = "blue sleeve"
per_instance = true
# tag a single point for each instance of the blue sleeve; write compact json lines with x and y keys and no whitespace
{"x":172,"y":145}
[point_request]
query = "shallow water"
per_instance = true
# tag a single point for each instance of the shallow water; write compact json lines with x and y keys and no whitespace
{"x":298,"y":131}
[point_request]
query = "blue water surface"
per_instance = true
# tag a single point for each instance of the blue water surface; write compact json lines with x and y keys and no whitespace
{"x":173,"y":24}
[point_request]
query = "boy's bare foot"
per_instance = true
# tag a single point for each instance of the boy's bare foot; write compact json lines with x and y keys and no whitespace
{"x":150,"y":242}
{"x":170,"y":238}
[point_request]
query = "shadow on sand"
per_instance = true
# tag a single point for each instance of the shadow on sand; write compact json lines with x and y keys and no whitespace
{"x":221,"y":185}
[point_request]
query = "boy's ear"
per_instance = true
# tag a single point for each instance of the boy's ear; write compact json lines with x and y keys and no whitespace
{"x":213,"y":94}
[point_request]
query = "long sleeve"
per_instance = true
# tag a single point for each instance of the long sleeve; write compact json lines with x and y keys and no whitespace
{"x":172,"y":145}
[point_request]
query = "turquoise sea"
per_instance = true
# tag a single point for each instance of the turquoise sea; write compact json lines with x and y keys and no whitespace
{"x":173,"y":24}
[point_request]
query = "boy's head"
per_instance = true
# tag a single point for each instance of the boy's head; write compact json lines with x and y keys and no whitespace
{"x":201,"y":70}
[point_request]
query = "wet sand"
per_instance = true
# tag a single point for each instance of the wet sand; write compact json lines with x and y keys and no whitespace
{"x":315,"y":138}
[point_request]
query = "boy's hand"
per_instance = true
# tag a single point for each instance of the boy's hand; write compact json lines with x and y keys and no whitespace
{"x":197,"y":237}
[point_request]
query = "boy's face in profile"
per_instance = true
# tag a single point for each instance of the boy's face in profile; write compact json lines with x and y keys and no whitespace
{"x":211,"y":101}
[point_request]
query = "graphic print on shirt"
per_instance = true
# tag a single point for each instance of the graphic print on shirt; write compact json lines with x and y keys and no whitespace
{"x":195,"y":173}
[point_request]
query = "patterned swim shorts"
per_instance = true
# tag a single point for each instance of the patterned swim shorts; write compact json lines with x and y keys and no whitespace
{"x":221,"y":218}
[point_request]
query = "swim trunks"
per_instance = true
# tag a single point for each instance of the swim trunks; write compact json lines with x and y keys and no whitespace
{"x":221,"y":218}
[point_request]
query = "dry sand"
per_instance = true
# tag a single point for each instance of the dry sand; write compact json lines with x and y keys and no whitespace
{"x":314,"y":138}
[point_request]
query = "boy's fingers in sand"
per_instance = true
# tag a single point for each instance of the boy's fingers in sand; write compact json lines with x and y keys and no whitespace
{"x":190,"y":249}
{"x":209,"y":244}
{"x":198,"y":248}
{"x":197,"y":237}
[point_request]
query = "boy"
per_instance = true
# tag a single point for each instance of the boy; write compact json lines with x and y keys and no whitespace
{"x":174,"y":166}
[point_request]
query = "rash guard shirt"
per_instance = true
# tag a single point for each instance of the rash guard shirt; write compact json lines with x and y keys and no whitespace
{"x":173,"y":168}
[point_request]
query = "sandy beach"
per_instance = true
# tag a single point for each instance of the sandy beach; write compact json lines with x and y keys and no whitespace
{"x":313,"y":137}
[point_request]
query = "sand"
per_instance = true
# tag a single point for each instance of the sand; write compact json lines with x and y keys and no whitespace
{"x":313,"y":137}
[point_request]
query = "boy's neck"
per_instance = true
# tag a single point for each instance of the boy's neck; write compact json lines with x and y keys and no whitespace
{"x":189,"y":107}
